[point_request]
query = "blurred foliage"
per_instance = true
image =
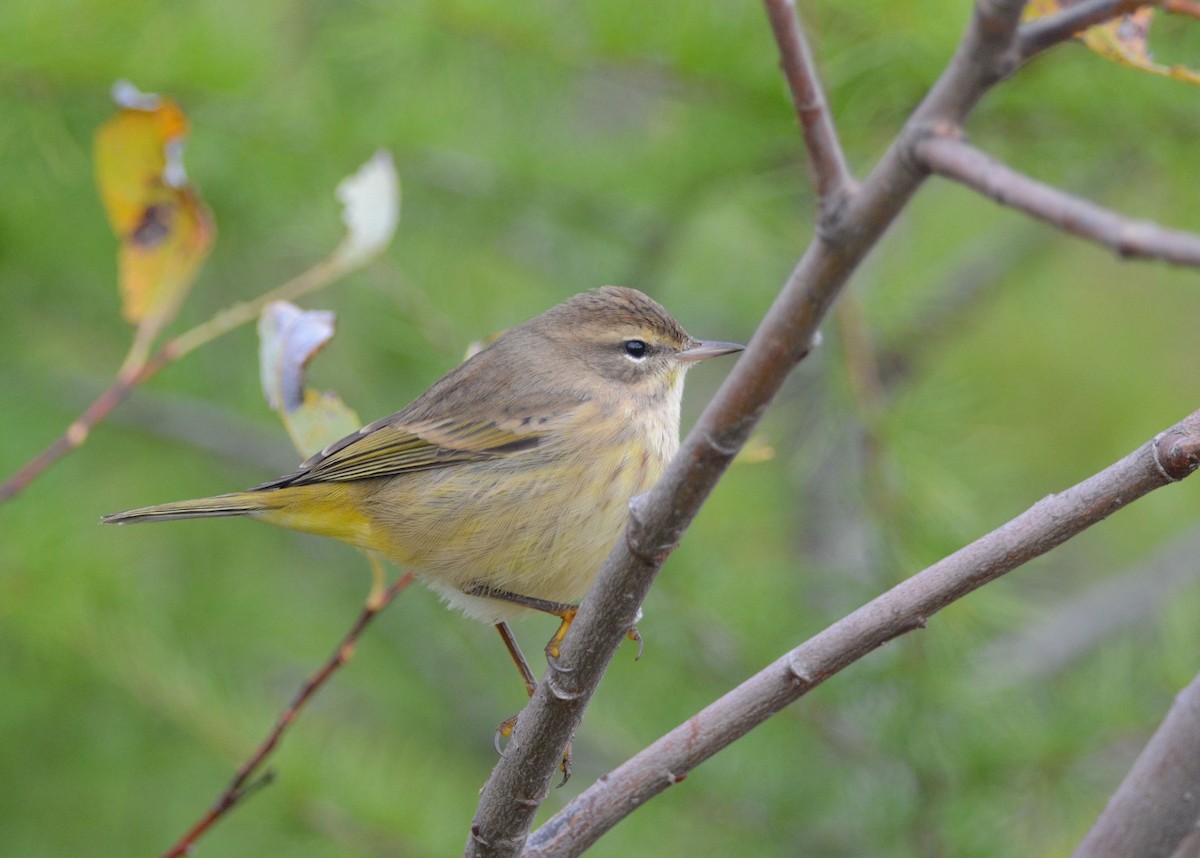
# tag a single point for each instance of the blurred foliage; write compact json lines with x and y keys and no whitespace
{"x":545,"y":149}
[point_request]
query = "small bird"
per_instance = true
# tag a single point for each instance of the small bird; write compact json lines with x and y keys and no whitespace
{"x":504,"y":486}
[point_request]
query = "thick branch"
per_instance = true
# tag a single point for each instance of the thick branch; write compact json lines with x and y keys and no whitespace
{"x":521,"y":779}
{"x":960,"y":161}
{"x":1158,"y":803}
{"x":1048,"y":523}
{"x":831,"y":175}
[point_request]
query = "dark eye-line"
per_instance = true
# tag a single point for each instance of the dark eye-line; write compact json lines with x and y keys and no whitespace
{"x":636,"y":349}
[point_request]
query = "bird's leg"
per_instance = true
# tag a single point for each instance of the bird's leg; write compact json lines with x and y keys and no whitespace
{"x":563,"y":611}
{"x":506,"y":726}
{"x":518,"y":657}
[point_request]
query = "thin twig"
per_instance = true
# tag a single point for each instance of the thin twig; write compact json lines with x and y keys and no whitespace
{"x":826,"y":158}
{"x":1051,"y":521}
{"x":322,"y":274}
{"x":245,"y":781}
{"x":958,"y":160}
{"x":81,"y":427}
{"x":521,"y":779}
{"x":1158,"y":803}
{"x":1050,"y":30}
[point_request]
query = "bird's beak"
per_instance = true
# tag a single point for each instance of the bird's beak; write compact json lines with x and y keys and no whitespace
{"x":699,"y":350}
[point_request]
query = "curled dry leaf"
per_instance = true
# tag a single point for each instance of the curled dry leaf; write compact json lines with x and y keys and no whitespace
{"x":288,"y":339}
{"x":370,"y":209}
{"x":164,"y":228}
{"x":1122,"y":40}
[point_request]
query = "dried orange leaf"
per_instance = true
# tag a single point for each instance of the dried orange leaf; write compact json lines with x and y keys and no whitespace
{"x":1122,"y":40}
{"x":288,"y":339}
{"x":164,"y":228}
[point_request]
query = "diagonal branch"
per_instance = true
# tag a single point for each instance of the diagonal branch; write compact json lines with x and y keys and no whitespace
{"x":828,"y":161}
{"x":1158,"y":803}
{"x":319,"y":275}
{"x":520,"y":781}
{"x":250,"y":777}
{"x":1051,"y":521}
{"x":958,"y":160}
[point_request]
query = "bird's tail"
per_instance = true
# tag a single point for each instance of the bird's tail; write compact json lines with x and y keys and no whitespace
{"x":237,"y":503}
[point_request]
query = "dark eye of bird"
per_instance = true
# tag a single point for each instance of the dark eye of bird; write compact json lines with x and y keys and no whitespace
{"x":636,"y":349}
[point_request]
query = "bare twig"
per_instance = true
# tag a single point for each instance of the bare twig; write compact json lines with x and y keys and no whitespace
{"x":322,"y":274}
{"x":1170,"y":457}
{"x":960,"y":161}
{"x":828,"y":162}
{"x":81,"y":427}
{"x":658,"y":519}
{"x":247,"y":779}
{"x":1158,"y":803}
{"x":1050,"y":30}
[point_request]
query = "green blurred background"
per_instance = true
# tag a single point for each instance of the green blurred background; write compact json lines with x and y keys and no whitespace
{"x":546,"y":148}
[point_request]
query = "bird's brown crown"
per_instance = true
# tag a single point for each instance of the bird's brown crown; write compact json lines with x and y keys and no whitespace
{"x":613,"y":308}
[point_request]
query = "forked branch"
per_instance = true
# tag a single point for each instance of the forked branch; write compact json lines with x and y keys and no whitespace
{"x":989,"y":50}
{"x":828,"y":161}
{"x":1053,"y":520}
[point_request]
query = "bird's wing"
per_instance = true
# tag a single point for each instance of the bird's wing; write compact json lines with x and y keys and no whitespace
{"x":391,"y":446}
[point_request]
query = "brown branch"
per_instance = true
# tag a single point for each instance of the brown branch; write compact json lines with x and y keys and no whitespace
{"x":322,"y":274}
{"x":521,"y":779}
{"x":826,"y":158}
{"x":1050,"y":30}
{"x":244,"y":782}
{"x":1051,"y":521}
{"x":1158,"y":803}
{"x":1187,"y":8}
{"x":957,"y":160}
{"x":81,"y":427}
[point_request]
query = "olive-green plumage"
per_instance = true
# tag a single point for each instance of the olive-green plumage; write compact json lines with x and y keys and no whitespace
{"x":514,"y":471}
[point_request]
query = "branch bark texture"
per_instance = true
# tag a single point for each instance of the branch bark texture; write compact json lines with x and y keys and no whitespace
{"x":1051,"y":521}
{"x":852,"y":220}
{"x":958,"y":160}
{"x":1158,"y":803}
{"x":520,"y":781}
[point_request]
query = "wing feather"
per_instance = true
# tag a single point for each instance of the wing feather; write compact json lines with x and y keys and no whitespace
{"x":388,"y":448}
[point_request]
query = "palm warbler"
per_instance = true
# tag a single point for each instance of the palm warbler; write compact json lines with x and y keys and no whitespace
{"x":504,"y":486}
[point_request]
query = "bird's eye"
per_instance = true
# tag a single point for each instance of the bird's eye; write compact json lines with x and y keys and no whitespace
{"x":636,"y":349}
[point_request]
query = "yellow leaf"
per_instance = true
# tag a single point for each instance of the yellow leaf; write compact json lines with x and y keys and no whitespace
{"x":288,"y":339}
{"x":1122,"y":40}
{"x":164,"y":228}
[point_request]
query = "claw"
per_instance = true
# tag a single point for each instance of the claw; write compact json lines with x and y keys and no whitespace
{"x":568,"y":616}
{"x":565,"y":766}
{"x":503,"y":731}
{"x":634,"y":635}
